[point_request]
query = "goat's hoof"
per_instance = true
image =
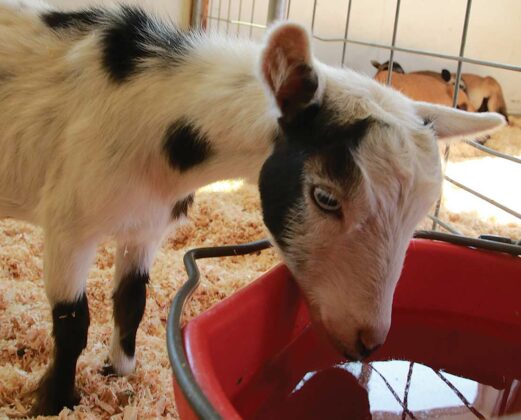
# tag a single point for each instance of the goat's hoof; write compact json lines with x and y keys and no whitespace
{"x":108,"y":369}
{"x":123,"y":367}
{"x":52,"y":397}
{"x":50,"y":403}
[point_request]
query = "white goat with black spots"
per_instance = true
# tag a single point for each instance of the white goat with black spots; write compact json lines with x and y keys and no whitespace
{"x":110,"y":120}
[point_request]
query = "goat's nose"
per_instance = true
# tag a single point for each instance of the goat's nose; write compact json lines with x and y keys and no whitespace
{"x":366,"y":351}
{"x":369,"y":341}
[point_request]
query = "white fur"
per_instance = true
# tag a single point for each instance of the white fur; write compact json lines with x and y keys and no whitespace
{"x":82,"y":156}
{"x":122,"y":364}
{"x":451,"y":124}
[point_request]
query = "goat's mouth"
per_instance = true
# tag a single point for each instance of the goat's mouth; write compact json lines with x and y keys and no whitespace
{"x":350,"y":355}
{"x":362,"y":354}
{"x":357,"y":351}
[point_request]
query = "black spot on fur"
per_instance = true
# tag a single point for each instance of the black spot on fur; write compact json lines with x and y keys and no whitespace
{"x":181,"y":207}
{"x":339,"y":165}
{"x":281,"y":188}
{"x":185,"y":146}
{"x":77,"y":20}
{"x":134,"y":36}
{"x":314,"y":134}
{"x":317,"y":133}
{"x":70,"y":326}
{"x":129,"y":307}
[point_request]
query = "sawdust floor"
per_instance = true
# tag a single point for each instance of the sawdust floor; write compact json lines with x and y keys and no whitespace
{"x":217,"y":218}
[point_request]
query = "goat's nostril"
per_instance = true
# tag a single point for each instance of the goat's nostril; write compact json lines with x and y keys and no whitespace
{"x":365,"y":351}
{"x":365,"y":345}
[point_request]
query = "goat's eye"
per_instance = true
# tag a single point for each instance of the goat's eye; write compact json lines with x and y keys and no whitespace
{"x":325,"y":200}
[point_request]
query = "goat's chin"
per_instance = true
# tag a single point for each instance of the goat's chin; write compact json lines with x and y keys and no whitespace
{"x":325,"y":337}
{"x":327,"y":341}
{"x":341,"y":350}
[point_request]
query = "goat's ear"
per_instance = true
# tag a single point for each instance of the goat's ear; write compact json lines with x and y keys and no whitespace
{"x":453,"y":124}
{"x":398,"y":68}
{"x":376,"y":64}
{"x":287,"y":68}
{"x":445,"y":75}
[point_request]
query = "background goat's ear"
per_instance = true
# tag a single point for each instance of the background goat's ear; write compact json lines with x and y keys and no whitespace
{"x":445,"y":75}
{"x":376,"y":64}
{"x":287,"y":68}
{"x":453,"y":124}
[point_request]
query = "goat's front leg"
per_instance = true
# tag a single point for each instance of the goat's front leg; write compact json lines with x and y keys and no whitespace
{"x":66,"y":265}
{"x":132,"y":274}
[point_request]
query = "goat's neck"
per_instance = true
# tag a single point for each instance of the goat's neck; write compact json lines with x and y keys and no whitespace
{"x":218,"y":90}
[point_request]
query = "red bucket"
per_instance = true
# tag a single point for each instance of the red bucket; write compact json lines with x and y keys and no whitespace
{"x":454,"y":348}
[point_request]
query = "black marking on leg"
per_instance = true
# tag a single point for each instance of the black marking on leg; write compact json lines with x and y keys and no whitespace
{"x":129,"y":307}
{"x":181,"y":207}
{"x":484,"y":105}
{"x":134,"y":36}
{"x":70,"y":326}
{"x":82,"y":20}
{"x":185,"y":146}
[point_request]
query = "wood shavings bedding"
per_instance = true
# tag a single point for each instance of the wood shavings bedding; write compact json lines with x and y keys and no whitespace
{"x":25,"y":322}
{"x":25,"y":343}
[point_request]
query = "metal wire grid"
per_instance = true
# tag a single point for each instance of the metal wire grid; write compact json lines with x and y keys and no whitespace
{"x":280,"y":9}
{"x":369,"y":368}
{"x":219,"y":13}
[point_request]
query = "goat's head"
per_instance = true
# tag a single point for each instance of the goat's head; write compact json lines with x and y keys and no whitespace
{"x":450,"y":78}
{"x":355,"y":168}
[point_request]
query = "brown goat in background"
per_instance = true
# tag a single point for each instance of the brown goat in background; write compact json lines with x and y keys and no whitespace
{"x":485,"y":93}
{"x":424,"y":86}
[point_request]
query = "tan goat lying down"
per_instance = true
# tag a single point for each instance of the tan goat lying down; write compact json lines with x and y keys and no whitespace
{"x":484,"y":93}
{"x":425,"y":87}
